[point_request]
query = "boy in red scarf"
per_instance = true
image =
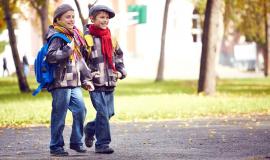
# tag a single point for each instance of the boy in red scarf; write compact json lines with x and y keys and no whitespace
{"x":105,"y":61}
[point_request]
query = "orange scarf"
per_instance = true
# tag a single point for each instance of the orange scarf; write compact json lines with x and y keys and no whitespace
{"x":75,"y":35}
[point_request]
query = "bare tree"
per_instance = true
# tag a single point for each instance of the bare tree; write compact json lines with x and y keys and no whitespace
{"x":83,"y":20}
{"x":23,"y":85}
{"x":41,"y":6}
{"x":267,"y":37}
{"x":213,"y":25}
{"x":160,"y":71}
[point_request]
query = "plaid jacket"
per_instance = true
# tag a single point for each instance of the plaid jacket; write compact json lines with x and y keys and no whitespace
{"x":67,"y":73}
{"x":104,"y":78}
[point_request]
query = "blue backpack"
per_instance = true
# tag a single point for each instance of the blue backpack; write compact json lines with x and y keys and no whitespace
{"x":44,"y":70}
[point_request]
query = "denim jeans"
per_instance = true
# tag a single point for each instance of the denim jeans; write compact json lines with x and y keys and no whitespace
{"x":103,"y":102}
{"x":63,"y":99}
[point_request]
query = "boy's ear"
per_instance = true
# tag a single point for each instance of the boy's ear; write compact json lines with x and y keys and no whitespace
{"x":57,"y":19}
{"x":91,"y":17}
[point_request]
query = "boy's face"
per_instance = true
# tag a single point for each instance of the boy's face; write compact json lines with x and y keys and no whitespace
{"x":101,"y":20}
{"x":67,"y":20}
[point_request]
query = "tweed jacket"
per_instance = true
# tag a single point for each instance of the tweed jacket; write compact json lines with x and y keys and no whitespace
{"x":67,"y":73}
{"x":104,"y":78}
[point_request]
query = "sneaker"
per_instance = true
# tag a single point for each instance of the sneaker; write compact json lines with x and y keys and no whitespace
{"x":89,"y":141}
{"x":107,"y":150}
{"x":59,"y":153}
{"x":80,"y":149}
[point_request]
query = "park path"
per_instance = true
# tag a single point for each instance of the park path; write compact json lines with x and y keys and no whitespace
{"x":208,"y":138}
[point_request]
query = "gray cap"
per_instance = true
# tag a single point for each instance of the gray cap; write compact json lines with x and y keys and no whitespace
{"x":94,"y":9}
{"x":61,"y":10}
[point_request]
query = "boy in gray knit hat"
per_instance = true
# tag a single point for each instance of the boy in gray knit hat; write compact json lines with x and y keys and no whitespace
{"x":106,"y":58}
{"x":70,"y":73}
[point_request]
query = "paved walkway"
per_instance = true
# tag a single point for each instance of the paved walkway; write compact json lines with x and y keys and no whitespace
{"x":223,"y":138}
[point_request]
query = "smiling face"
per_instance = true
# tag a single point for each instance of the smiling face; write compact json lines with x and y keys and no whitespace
{"x":67,"y":19}
{"x":101,"y":20}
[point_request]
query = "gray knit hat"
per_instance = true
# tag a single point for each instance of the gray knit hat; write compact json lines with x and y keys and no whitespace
{"x":94,"y":9}
{"x":61,"y":10}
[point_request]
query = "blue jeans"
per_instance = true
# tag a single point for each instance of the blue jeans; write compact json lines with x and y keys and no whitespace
{"x":103,"y":103}
{"x":63,"y":99}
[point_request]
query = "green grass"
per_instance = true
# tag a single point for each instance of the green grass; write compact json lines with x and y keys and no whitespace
{"x":140,"y":100}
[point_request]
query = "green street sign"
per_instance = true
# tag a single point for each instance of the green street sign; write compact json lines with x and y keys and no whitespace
{"x":142,"y":12}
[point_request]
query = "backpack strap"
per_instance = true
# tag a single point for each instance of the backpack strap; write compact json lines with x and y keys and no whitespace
{"x":90,"y":42}
{"x":59,"y":35}
{"x":114,"y":43}
{"x":41,"y":85}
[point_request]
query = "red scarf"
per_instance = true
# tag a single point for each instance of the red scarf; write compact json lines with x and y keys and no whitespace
{"x":106,"y":43}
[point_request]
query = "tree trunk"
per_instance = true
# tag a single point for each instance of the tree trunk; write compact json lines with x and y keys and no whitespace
{"x":267,"y":41}
{"x":213,"y":24}
{"x":84,"y":21}
{"x":44,"y":20}
{"x":23,"y":85}
{"x":42,"y":8}
{"x":160,"y":71}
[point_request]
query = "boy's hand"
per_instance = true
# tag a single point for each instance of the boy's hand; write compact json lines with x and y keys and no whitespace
{"x":119,"y":74}
{"x":88,"y":86}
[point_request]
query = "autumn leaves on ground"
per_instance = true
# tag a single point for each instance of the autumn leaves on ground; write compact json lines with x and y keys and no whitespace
{"x":145,"y":100}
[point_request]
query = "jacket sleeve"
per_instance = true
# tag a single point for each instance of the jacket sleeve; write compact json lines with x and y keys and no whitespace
{"x":85,"y":72}
{"x":119,"y":61}
{"x":58,"y":51}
